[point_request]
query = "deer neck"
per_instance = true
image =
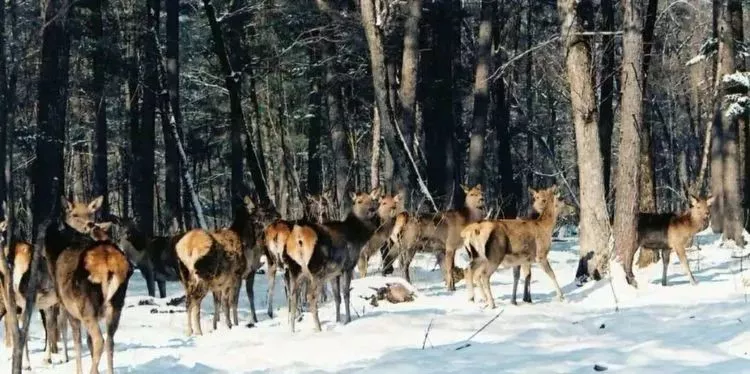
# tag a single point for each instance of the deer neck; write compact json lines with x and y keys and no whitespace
{"x":474,"y":214}
{"x":548,"y":217}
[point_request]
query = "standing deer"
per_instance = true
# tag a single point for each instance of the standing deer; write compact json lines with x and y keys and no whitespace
{"x":320,"y":252}
{"x":670,"y":232}
{"x":153,"y":256}
{"x":441,"y":230}
{"x":390,"y":207}
{"x":513,"y":243}
{"x":91,"y":278}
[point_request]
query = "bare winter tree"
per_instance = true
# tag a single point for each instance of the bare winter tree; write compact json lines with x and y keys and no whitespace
{"x":576,"y":17}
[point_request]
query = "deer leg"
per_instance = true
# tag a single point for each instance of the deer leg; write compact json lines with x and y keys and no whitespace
{"x":312,"y":301}
{"x":272,"y":267}
{"x":113,"y":321}
{"x":548,"y":269}
{"x":362,"y":262}
{"x":469,"y":277}
{"x":388,"y":259}
{"x":162,"y":284}
{"x":347,"y":275}
{"x":516,"y":278}
{"x":228,"y":300}
{"x":76,"y":327}
{"x":665,"y":265}
{"x":448,"y":263}
{"x":292,"y":302}
{"x":484,"y":278}
{"x":405,"y":261}
{"x":685,"y":265}
{"x":336,"y":286}
{"x":249,"y":286}
{"x":148,"y":275}
{"x":97,"y":343}
{"x":526,"y":271}
{"x":62,"y":324}
{"x":217,"y":308}
{"x":189,"y":312}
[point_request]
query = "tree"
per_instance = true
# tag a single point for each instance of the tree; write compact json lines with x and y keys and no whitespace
{"x":171,"y":155}
{"x":100,"y":187}
{"x":627,"y":197}
{"x":607,"y":94}
{"x":481,"y":92}
{"x":576,"y":16}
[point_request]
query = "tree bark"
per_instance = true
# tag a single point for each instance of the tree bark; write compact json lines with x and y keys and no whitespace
{"x":646,"y":179}
{"x":52,"y":110}
{"x":4,"y":101}
{"x":171,"y":154}
{"x":410,"y":71}
{"x":626,"y":200}
{"x":375,"y":152}
{"x":607,"y":94}
{"x":144,"y":158}
{"x":481,"y":93}
{"x":237,"y":123}
{"x":100,"y":187}
{"x":594,"y":222}
{"x":314,"y":163}
{"x":232,"y":83}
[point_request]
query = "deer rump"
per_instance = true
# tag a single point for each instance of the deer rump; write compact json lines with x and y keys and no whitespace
{"x":208,"y":261}
{"x":323,"y":250}
{"x":653,"y":230}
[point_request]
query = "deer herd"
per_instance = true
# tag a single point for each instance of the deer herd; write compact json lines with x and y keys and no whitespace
{"x":84,"y":275}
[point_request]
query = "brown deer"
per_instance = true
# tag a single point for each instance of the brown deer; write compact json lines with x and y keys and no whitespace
{"x":153,"y":256}
{"x":216,"y":261}
{"x":441,"y":230}
{"x":389,"y":208}
{"x":90,"y":276}
{"x":670,"y":232}
{"x":319,"y":252}
{"x":512,"y":243}
{"x":316,"y":210}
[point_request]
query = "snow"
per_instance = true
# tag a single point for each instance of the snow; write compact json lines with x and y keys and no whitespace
{"x":678,"y":328}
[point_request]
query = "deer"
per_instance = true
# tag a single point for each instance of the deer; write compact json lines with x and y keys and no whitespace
{"x":667,"y":232}
{"x":153,"y":256}
{"x":441,"y":230}
{"x":216,"y":261}
{"x":316,"y":210}
{"x":513,"y":243}
{"x":328,"y":251}
{"x":389,"y":208}
{"x":91,"y":278}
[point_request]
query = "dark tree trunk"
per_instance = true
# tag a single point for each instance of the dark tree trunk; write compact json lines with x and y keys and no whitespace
{"x":607,"y":94}
{"x":237,"y":124}
{"x":171,"y":155}
{"x":410,"y":70}
{"x":4,"y":104}
{"x":100,"y":187}
{"x":626,"y":201}
{"x":342,"y":157}
{"x":437,"y":67}
{"x":314,"y":163}
{"x":143,"y":159}
{"x":481,"y":93}
{"x":52,"y":109}
{"x":233,"y":85}
{"x":529,"y":99}
{"x":510,"y":189}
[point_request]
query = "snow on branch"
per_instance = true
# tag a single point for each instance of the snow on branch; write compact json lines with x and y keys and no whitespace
{"x":708,"y":49}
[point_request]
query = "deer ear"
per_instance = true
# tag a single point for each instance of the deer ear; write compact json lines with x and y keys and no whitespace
{"x":397,"y":198}
{"x":532,"y":191}
{"x":96,"y":204}
{"x":374,"y":193}
{"x":466,"y":189}
{"x":66,"y":204}
{"x":553,"y":188}
{"x":478,"y":187}
{"x":693,"y":200}
{"x":710,"y":200}
{"x":353,"y":196}
{"x":3,"y":226}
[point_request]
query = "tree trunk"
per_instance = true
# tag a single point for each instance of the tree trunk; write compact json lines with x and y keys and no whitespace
{"x":4,"y":101}
{"x":410,"y":71}
{"x":171,"y":154}
{"x":392,"y":135}
{"x":607,"y":94}
{"x":646,"y":180}
{"x":237,"y":123}
{"x":143,"y":159}
{"x":314,"y":163}
{"x":481,"y":93}
{"x":626,"y":200}
{"x":375,"y":153}
{"x":100,"y":103}
{"x":232,"y":83}
{"x":594,"y":222}
{"x":52,"y":110}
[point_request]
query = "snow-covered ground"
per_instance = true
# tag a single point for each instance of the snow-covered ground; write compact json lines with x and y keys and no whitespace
{"x":679,"y":328}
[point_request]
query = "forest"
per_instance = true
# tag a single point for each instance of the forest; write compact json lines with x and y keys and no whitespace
{"x":174,"y":110}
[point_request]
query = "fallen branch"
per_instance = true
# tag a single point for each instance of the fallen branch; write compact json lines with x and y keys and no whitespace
{"x":466,"y":342}
{"x":427,"y":333}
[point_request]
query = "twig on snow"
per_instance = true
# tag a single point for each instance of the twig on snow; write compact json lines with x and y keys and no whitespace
{"x":427,"y":333}
{"x":466,"y":343}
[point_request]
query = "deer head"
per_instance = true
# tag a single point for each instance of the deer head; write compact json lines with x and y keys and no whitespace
{"x":365,"y":204}
{"x":80,"y":216}
{"x":474,"y":197}
{"x":700,"y":209}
